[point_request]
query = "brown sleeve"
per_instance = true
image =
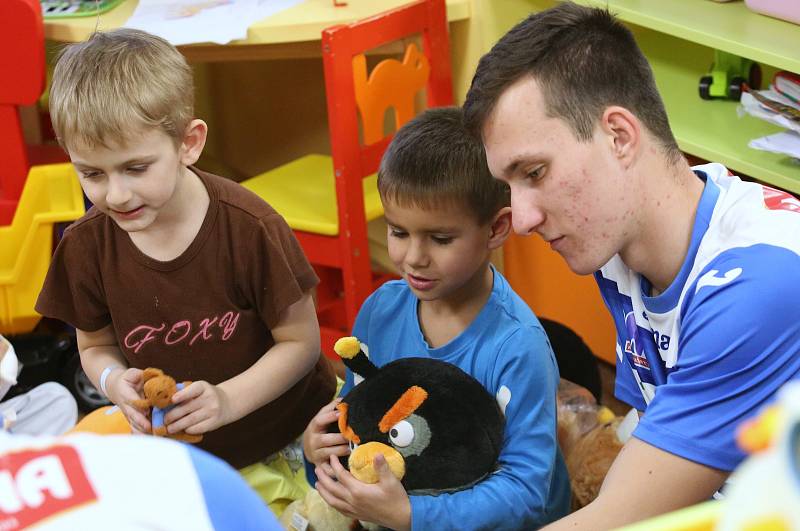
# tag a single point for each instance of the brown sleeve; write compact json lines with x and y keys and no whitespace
{"x":279,"y":272}
{"x":72,"y":290}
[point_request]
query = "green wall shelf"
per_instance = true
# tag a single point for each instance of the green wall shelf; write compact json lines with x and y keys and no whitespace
{"x":679,"y":37}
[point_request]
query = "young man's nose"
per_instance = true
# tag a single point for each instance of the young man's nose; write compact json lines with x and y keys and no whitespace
{"x":118,"y":192}
{"x":526,"y":216}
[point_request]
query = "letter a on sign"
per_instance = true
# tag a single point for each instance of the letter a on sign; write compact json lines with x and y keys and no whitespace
{"x":37,"y":484}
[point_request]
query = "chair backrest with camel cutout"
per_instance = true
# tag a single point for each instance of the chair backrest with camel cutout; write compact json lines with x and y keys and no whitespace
{"x":328,"y":201}
{"x":391,"y":84}
{"x":351,"y":93}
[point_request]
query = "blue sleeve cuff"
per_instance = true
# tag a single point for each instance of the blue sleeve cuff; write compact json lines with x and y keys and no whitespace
{"x":664,"y":439}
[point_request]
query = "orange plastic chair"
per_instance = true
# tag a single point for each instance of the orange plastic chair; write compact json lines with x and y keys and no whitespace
{"x":328,"y":201}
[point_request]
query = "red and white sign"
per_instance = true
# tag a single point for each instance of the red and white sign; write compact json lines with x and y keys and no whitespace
{"x":37,"y":484}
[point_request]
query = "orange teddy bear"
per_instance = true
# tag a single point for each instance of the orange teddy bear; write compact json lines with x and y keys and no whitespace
{"x":158,"y":391}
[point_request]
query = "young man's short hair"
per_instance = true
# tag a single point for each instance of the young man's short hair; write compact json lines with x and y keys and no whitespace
{"x":584,"y":60}
{"x":433,"y":162}
{"x":117,"y":83}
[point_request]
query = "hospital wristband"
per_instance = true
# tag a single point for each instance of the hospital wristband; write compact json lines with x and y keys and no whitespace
{"x":104,"y":377}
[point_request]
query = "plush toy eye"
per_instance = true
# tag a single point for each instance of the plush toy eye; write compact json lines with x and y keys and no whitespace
{"x":352,"y":446}
{"x":401,"y":434}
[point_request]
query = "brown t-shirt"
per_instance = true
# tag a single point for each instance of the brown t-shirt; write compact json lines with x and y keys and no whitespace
{"x":206,"y":315}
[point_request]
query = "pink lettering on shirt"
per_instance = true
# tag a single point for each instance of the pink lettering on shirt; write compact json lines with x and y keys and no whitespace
{"x":228,"y":324}
{"x":150,"y":332}
{"x":204,"y":324}
{"x":187,"y":327}
{"x":208,"y":329}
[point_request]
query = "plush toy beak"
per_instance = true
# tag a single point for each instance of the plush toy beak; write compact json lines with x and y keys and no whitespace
{"x":362,"y":461}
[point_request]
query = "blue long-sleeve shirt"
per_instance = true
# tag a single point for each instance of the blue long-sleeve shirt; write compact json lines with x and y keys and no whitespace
{"x":507,"y":351}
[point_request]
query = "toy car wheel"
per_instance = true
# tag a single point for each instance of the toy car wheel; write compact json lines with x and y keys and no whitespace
{"x":735,"y":88}
{"x":705,"y":87}
{"x":86,"y":394}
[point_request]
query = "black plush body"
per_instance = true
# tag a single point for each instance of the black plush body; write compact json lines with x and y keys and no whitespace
{"x":457,"y":429}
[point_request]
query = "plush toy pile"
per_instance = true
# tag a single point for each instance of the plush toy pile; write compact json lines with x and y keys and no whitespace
{"x":589,"y":438}
{"x":312,"y":513}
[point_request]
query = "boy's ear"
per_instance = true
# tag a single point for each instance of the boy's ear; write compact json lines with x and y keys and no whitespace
{"x":194,"y":140}
{"x":500,"y":228}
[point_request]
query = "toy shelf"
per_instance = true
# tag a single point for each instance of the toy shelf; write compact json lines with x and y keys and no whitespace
{"x":678,"y":37}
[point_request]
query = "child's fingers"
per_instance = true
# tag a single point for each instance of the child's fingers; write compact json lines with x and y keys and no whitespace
{"x":382,"y":468}
{"x":195,"y":422}
{"x":323,"y":454}
{"x":343,"y":476}
{"x":190,"y":392}
{"x":324,"y":419}
{"x":333,"y":483}
{"x":331,"y":439}
{"x":182,"y":411}
{"x":139,"y":422}
{"x":326,"y":468}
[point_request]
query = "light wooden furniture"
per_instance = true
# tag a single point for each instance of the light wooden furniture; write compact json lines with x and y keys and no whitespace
{"x":291,"y":33}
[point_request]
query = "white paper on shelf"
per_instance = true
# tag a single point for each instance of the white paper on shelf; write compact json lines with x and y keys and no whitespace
{"x":774,"y":95}
{"x":194,"y":21}
{"x":751,"y":106}
{"x":787,"y":143}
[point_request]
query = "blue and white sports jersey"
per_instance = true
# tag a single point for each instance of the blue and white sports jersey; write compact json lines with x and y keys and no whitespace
{"x":122,"y":482}
{"x":714,"y":347}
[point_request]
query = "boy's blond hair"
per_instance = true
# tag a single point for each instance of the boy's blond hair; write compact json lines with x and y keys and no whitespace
{"x":117,"y":84}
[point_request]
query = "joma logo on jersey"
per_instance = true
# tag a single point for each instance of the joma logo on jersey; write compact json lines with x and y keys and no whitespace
{"x":36,"y":484}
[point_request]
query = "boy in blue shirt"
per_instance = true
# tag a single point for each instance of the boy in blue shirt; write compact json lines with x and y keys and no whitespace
{"x":445,"y":215}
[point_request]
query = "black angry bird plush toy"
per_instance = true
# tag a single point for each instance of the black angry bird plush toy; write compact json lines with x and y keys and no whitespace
{"x":437,"y":427}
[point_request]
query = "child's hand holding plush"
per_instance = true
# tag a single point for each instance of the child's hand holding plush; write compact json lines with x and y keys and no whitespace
{"x":199,"y":407}
{"x":123,"y":387}
{"x":158,"y":389}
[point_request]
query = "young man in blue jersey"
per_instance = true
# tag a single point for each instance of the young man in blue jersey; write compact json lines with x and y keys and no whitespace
{"x":699,"y":269}
{"x":445,"y":216}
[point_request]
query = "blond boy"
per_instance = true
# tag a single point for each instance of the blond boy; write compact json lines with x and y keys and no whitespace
{"x":176,"y":268}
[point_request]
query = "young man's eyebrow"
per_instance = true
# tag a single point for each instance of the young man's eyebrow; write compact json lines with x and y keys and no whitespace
{"x":512,"y":166}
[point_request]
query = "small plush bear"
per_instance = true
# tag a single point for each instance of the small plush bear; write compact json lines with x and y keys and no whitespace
{"x":158,"y":391}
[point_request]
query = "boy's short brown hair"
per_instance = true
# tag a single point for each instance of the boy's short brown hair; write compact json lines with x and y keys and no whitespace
{"x":433,"y":161}
{"x":117,"y":83}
